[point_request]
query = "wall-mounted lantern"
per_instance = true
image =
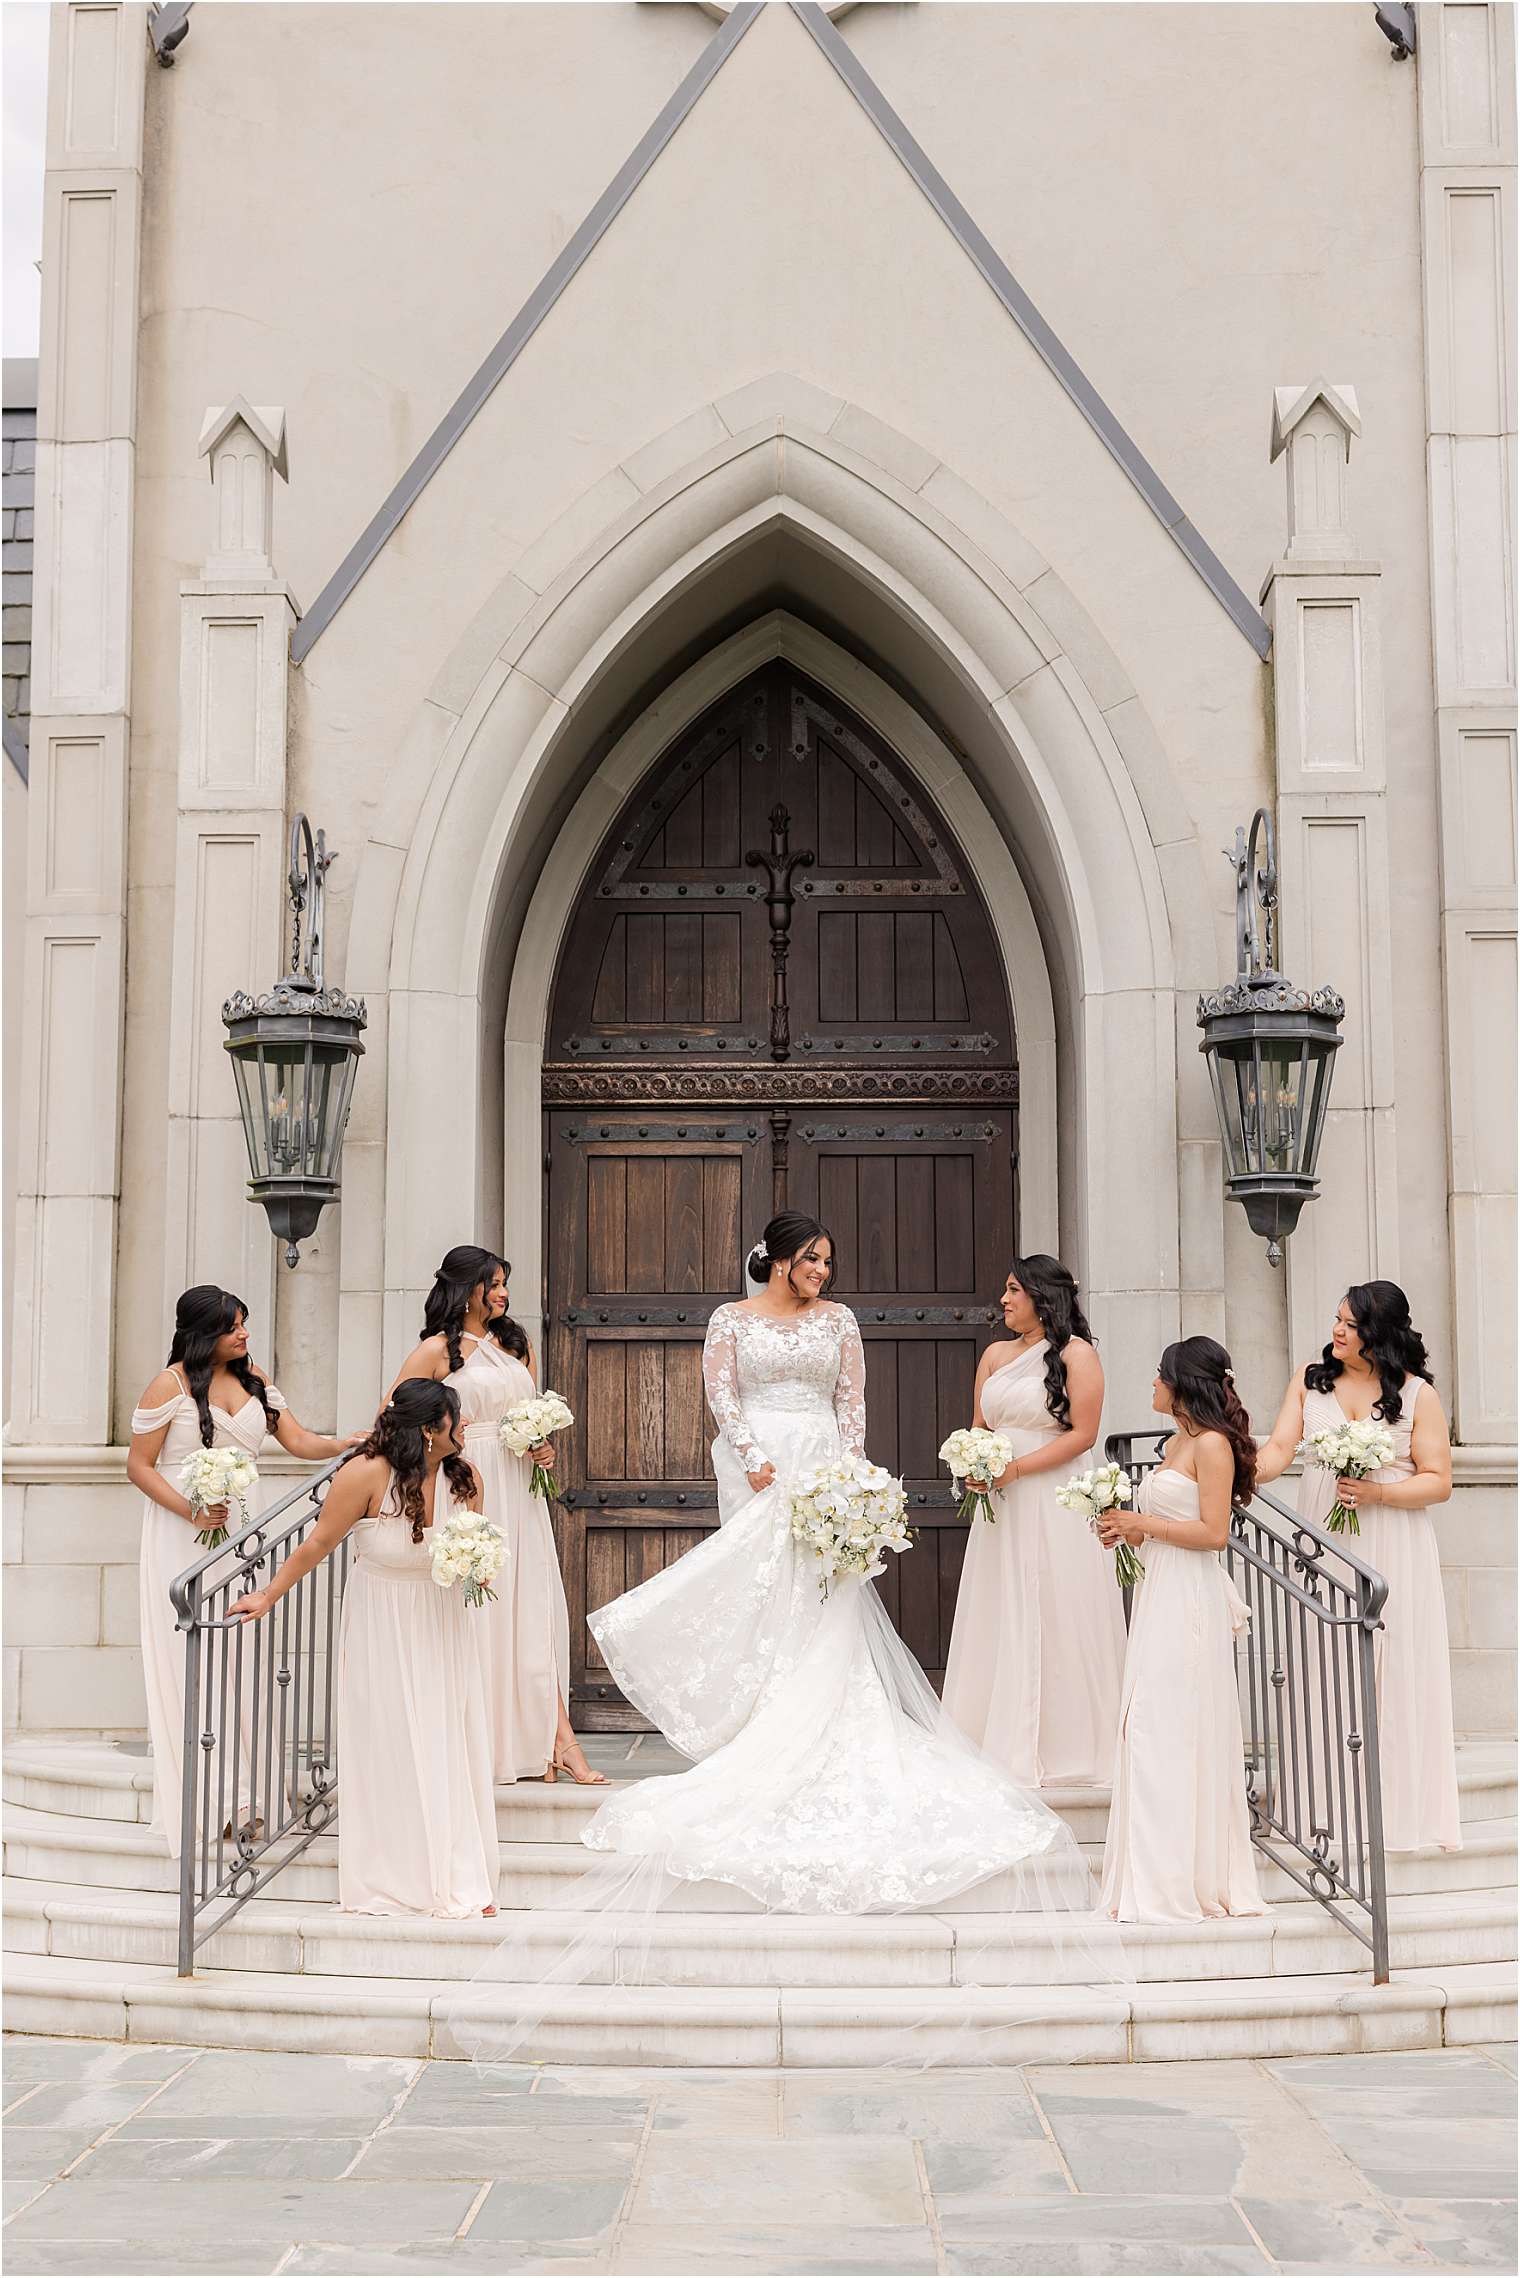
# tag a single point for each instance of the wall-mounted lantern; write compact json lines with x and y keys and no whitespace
{"x":1270,"y":1048}
{"x":295,"y":1053}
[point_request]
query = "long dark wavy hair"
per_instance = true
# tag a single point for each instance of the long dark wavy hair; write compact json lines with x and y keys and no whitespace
{"x":1053,"y":1293}
{"x":788,"y":1232}
{"x":202,"y":1316}
{"x":417,"y":1406}
{"x":464,"y":1270}
{"x":1389,"y":1339}
{"x":1198,"y":1374}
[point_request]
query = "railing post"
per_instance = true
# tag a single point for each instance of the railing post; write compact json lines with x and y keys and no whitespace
{"x":1367,"y":1599}
{"x":188,"y":1609}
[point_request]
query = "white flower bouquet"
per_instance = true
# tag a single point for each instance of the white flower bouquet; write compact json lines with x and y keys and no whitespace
{"x":976,"y":1455}
{"x":1105,"y":1488}
{"x":849,"y":1513}
{"x":212,"y":1476}
{"x":529,"y":1424}
{"x":1351,"y":1451}
{"x":468,"y":1549}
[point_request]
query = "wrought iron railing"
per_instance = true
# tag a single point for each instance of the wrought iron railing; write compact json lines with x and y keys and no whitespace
{"x":258,"y":1776}
{"x":1308,"y":1701}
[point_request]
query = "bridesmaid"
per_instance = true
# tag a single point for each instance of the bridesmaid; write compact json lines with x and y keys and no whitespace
{"x":411,"y":1723}
{"x":1179,"y":1833}
{"x":470,"y":1342}
{"x":1038,"y":1641}
{"x":210,"y":1395}
{"x":1376,"y":1365}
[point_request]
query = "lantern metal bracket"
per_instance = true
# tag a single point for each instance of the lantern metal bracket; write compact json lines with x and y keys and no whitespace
{"x":309,"y":865}
{"x":1255,"y":900}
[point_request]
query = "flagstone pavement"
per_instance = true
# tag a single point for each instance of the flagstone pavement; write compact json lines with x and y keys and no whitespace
{"x":168,"y":2160}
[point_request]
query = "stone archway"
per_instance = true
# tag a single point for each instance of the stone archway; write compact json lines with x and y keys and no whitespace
{"x":516,"y":728}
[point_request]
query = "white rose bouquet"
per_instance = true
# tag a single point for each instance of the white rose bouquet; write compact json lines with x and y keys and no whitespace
{"x":849,"y":1513}
{"x":212,"y":1476}
{"x":1351,"y":1451}
{"x":529,"y":1424}
{"x":1105,"y":1488}
{"x":468,"y":1549}
{"x":974,"y":1458}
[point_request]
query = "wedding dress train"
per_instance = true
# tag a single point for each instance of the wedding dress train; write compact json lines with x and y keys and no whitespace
{"x":829,"y":1779}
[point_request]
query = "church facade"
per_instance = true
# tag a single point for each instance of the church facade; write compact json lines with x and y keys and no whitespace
{"x":779,"y":545}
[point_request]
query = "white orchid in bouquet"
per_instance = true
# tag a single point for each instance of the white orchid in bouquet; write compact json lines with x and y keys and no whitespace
{"x":467,"y":1549}
{"x":1105,"y":1488}
{"x":528,"y":1425}
{"x":1351,"y":1451}
{"x":212,"y":1477}
{"x":975,"y":1457}
{"x":849,"y":1513}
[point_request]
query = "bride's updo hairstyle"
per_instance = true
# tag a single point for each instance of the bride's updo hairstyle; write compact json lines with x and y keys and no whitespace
{"x":789,"y":1233}
{"x":1389,"y":1339}
{"x":465,"y":1269}
{"x":418,"y":1406}
{"x":1198,"y":1375}
{"x":1053,"y":1293}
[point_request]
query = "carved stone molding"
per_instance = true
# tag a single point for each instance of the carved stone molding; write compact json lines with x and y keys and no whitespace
{"x":628,"y":1083}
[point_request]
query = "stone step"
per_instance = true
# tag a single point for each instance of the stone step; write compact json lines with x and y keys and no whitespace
{"x":769,"y":2026}
{"x":56,"y":1847}
{"x":97,"y":1781}
{"x":76,"y":1921}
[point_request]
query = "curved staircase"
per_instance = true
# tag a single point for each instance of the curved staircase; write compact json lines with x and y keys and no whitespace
{"x":90,"y":1934}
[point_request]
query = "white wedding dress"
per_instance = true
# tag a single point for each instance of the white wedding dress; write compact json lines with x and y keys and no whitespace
{"x":829,"y":1780}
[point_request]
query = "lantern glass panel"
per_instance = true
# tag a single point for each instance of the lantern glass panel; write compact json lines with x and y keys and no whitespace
{"x":1282,"y":1068}
{"x":1316,"y":1100}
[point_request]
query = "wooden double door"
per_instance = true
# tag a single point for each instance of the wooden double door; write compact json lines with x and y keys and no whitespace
{"x":780,"y":986}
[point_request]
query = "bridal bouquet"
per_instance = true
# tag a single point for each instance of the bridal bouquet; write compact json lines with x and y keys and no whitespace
{"x":976,"y":1454}
{"x":216,"y":1475}
{"x":467,"y":1549}
{"x":1351,"y":1451}
{"x":531,"y":1422}
{"x":1105,"y":1488}
{"x":849,"y":1513}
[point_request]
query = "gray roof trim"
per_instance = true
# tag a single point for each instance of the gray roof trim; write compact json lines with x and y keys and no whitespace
{"x":1036,"y":331}
{"x":15,"y":749}
{"x":521,"y":330}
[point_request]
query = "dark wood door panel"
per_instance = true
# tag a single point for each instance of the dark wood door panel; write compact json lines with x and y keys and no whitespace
{"x":681,"y":1105}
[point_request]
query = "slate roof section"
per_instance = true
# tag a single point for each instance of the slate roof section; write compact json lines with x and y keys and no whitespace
{"x":18,"y":476}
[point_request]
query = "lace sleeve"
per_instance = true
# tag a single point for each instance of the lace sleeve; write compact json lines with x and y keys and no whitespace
{"x":720,"y":1378}
{"x":850,"y":1386}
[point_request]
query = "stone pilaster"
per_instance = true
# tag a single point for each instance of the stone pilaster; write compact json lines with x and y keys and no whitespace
{"x":1321,"y":599}
{"x":1467,"y":201}
{"x":69,"y":1137}
{"x":230,"y":856}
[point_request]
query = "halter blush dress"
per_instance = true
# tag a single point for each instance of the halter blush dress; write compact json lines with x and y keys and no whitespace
{"x":1037,"y":1646}
{"x":416,"y":1799}
{"x":168,"y":1547}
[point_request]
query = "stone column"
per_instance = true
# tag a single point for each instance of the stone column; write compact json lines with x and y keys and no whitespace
{"x":1321,"y":599}
{"x":230,"y":857}
{"x":69,"y":1138}
{"x":1467,"y":196}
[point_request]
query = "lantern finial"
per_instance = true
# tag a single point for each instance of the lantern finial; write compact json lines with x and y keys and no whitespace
{"x":295,"y":1052}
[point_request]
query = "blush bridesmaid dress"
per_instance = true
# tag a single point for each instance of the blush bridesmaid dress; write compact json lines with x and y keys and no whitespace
{"x":526,"y":1633}
{"x":1411,"y":1652}
{"x":1037,"y":1647}
{"x":1179,"y":1830}
{"x":416,"y":1799}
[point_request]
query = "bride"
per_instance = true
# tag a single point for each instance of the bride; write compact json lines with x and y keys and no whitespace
{"x":828,"y":1779}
